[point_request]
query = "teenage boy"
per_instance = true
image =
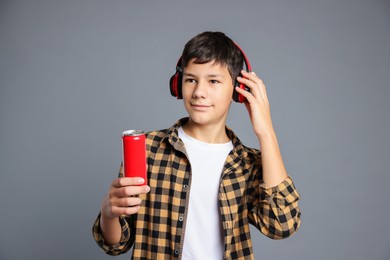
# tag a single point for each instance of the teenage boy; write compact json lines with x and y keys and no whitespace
{"x":205,"y":186}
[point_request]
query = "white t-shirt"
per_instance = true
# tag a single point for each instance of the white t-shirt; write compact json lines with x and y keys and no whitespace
{"x":203,"y":235}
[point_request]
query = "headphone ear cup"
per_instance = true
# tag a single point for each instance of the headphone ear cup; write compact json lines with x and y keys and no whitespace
{"x":235,"y":93}
{"x":237,"y":97}
{"x":175,"y":85}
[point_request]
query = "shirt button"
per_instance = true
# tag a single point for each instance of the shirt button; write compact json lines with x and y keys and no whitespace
{"x":176,"y":252}
{"x":181,"y":218}
{"x":185,"y":186}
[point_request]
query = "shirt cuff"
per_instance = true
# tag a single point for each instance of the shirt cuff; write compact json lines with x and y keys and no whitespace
{"x":280,"y":195}
{"x":122,"y":246}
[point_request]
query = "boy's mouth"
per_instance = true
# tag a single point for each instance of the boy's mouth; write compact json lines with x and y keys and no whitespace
{"x":200,"y":106}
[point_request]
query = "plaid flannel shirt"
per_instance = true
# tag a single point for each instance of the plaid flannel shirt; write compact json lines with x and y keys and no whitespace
{"x":157,"y":230}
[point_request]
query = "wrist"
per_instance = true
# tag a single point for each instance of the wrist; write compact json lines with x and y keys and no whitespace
{"x":105,"y":218}
{"x":105,"y":212}
{"x":111,"y":230}
{"x":266,"y":134}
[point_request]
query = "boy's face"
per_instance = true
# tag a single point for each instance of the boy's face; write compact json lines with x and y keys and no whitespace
{"x":207,"y":92}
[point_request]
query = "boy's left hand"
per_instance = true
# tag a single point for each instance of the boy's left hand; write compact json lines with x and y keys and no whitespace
{"x":256,"y":103}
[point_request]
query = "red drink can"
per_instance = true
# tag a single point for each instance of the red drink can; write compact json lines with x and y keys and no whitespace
{"x":134,"y":154}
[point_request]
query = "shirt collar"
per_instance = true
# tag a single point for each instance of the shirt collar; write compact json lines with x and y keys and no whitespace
{"x":173,"y":138}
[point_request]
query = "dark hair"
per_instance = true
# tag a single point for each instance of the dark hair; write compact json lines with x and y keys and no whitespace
{"x":214,"y":46}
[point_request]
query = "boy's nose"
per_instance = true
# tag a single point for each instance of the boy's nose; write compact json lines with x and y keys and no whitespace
{"x":200,"y":90}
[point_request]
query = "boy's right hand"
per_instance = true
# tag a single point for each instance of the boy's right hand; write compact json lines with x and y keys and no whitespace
{"x":122,"y":198}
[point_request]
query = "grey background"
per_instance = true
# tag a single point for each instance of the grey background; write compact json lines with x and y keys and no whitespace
{"x":75,"y":74}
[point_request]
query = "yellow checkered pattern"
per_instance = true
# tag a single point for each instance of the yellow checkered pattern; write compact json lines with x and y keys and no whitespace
{"x":157,"y":230}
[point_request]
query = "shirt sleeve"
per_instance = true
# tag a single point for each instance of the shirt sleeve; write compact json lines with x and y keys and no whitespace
{"x":125,"y":243}
{"x":276,"y":212}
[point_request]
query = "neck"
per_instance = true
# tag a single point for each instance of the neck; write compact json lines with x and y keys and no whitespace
{"x":206,"y":133}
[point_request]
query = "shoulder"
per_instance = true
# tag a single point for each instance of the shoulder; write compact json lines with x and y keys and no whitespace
{"x":154,"y":138}
{"x":251,"y":155}
{"x":251,"y":152}
{"x":248,"y":155}
{"x":156,"y":135}
{"x":168,"y":135}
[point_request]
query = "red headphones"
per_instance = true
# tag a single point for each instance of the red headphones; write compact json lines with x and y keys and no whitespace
{"x":175,"y":83}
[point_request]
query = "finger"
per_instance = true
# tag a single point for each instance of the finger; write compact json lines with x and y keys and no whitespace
{"x":248,"y":95}
{"x":126,"y":202}
{"x":259,"y":82}
{"x":118,"y":211}
{"x":125,"y":181}
{"x":130,"y":191}
{"x":250,"y":75}
{"x":254,"y":83}
{"x":253,"y":77}
{"x":253,"y":88}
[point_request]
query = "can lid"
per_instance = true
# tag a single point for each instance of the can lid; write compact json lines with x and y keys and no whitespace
{"x":133,"y":133}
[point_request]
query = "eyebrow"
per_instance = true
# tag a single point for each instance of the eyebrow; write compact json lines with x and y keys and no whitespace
{"x":209,"y":75}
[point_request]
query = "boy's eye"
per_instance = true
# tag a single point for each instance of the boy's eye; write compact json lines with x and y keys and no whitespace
{"x":189,"y":80}
{"x":213,"y":81}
